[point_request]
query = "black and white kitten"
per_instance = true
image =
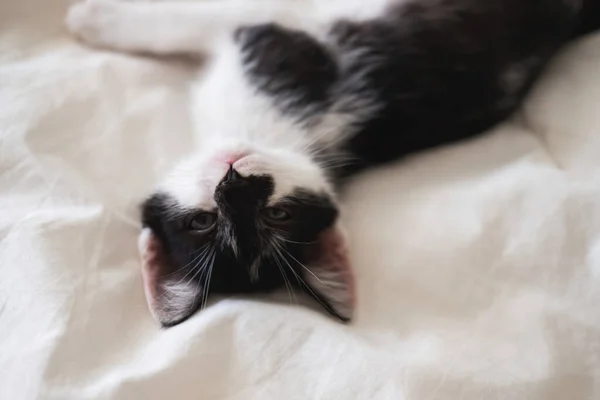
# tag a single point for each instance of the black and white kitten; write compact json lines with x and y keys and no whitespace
{"x":289,"y":86}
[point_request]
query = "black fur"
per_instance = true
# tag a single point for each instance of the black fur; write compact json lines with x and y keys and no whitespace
{"x":241,"y":237}
{"x":290,"y":66}
{"x":589,"y":19}
{"x":436,"y":70}
{"x":443,"y":78}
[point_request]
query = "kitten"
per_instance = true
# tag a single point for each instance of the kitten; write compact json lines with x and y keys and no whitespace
{"x":291,"y":85}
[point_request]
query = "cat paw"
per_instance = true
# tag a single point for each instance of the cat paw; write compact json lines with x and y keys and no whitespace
{"x":93,"y":21}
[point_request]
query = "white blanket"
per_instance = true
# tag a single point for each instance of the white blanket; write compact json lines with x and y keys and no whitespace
{"x":478,"y":265}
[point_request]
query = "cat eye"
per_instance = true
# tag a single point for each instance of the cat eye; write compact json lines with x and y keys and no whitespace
{"x":203,"y":222}
{"x":276,"y":214}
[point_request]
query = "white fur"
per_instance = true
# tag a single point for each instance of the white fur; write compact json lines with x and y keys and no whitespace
{"x":234,"y":125}
{"x":228,"y":114}
{"x":353,"y":10}
{"x":230,"y":117}
{"x":192,"y":27}
{"x":179,"y":27}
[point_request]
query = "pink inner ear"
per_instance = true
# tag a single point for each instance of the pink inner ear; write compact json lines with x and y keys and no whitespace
{"x":152,"y":255}
{"x":331,"y":275}
{"x":171,"y":300}
{"x":335,"y":254}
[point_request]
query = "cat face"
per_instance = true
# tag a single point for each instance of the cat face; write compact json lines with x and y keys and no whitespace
{"x":238,"y":219}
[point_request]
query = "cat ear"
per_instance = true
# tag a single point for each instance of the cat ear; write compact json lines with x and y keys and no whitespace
{"x":171,"y":299}
{"x":329,"y":277}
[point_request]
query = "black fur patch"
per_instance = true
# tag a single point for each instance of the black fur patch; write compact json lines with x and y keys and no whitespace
{"x":241,"y":237}
{"x":589,"y":16}
{"x":437,"y":71}
{"x":313,"y":212}
{"x":289,"y":66}
{"x":169,"y":222}
{"x":444,"y":70}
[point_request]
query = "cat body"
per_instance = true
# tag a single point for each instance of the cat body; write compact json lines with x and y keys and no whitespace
{"x":296,"y":95}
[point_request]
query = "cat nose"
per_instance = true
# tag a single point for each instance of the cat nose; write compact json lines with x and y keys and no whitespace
{"x":232,"y":193}
{"x":232,"y":177}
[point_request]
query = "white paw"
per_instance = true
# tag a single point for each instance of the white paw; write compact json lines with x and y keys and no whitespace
{"x":93,"y":21}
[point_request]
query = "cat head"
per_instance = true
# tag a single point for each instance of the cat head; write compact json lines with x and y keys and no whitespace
{"x":243,"y":220}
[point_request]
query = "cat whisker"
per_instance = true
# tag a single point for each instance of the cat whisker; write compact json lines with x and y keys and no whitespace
{"x":283,"y":239}
{"x":202,"y":279}
{"x":321,"y":135}
{"x":209,"y":276}
{"x":299,"y":263}
{"x":282,"y":257}
{"x":196,"y":268}
{"x":288,"y":285}
{"x":303,"y":283}
{"x":340,"y":138}
{"x":329,"y":157}
{"x":335,"y":165}
{"x":201,"y":251}
{"x":168,"y":296}
{"x":279,"y":256}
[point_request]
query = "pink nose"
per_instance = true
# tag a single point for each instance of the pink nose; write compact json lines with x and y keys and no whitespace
{"x":231,"y":158}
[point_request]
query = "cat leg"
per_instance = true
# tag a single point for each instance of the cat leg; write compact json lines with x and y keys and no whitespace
{"x":164,"y":28}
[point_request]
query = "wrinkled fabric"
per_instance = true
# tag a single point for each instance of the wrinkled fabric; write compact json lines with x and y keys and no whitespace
{"x":477,"y":265}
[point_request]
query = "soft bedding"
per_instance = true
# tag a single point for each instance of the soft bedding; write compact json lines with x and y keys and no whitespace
{"x":478,"y":265}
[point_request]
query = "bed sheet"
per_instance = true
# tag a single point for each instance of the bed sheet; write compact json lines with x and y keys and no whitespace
{"x":478,"y":265}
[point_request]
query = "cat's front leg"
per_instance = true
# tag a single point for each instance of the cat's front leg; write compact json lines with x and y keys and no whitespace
{"x":175,"y":27}
{"x":132,"y":26}
{"x":97,"y":23}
